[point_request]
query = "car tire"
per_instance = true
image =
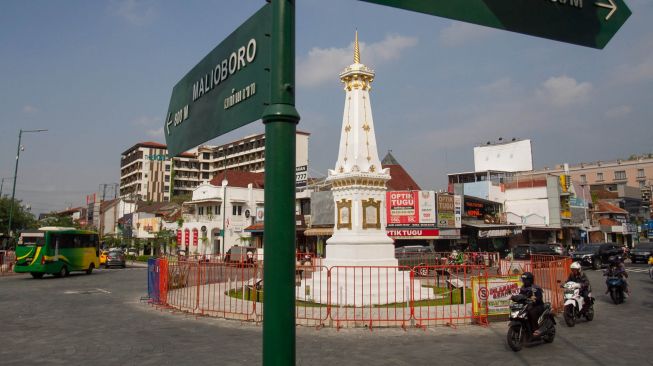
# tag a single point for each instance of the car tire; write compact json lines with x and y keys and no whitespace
{"x":63,"y":272}
{"x":596,"y":264}
{"x":90,"y":269}
{"x":37,"y":275}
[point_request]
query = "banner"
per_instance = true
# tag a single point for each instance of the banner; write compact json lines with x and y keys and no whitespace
{"x":410,"y":209}
{"x":446,"y":211}
{"x":495,"y":293}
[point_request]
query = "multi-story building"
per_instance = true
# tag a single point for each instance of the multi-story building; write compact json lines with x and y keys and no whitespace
{"x":146,"y":171}
{"x":636,"y":172}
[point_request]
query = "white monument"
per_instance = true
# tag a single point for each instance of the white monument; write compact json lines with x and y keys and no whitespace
{"x":359,"y":189}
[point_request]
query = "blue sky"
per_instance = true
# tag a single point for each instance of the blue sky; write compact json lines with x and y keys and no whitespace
{"x":98,"y":75}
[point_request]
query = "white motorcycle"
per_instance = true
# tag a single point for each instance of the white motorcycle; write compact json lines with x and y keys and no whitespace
{"x":575,"y":306}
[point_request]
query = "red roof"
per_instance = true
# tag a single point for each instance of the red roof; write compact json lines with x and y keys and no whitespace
{"x":602,"y":206}
{"x":609,"y":222}
{"x":400,"y":180}
{"x":238,"y":178}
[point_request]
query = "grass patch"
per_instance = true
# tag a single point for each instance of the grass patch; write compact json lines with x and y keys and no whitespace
{"x":450,"y":297}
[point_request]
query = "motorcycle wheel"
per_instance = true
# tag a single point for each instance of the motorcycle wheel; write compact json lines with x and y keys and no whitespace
{"x":614,"y":296}
{"x":515,"y":338}
{"x":569,"y":315}
{"x":589,"y":315}
{"x":550,"y":335}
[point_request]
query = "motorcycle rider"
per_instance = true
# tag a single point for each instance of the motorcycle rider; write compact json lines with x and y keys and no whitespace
{"x":579,"y":277}
{"x":535,"y":293}
{"x":616,"y":268}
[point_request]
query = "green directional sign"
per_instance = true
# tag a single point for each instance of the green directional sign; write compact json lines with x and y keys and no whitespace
{"x":227,"y":89}
{"x":590,"y":23}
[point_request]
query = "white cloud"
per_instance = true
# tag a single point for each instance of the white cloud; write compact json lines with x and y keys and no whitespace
{"x":459,"y":33}
{"x":618,"y":112}
{"x":146,"y":121}
{"x":157,"y":133}
{"x":29,"y":109}
{"x":323,"y":64}
{"x":499,"y":86}
{"x":642,"y":71}
{"x":562,"y":91}
{"x":136,"y":12}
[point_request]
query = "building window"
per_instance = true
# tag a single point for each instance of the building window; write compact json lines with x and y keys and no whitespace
{"x":642,"y":184}
{"x":205,"y":166}
{"x":599,"y":177}
{"x":205,"y":175}
{"x":217,"y":209}
{"x":206,"y":156}
{"x":209,"y":210}
{"x":166,"y":188}
{"x":640,"y":173}
{"x":167,"y":167}
{"x":237,"y":210}
{"x":167,"y":178}
{"x":583,"y":178}
{"x":200,"y":211}
{"x":620,"y":175}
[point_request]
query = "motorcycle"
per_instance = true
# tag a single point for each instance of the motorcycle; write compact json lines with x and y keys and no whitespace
{"x":575,"y":305}
{"x":520,"y":332}
{"x":616,"y":286}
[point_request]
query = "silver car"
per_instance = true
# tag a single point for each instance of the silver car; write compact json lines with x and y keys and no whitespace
{"x":116,"y":258}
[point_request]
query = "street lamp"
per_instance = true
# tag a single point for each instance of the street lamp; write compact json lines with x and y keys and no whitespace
{"x":13,"y":190}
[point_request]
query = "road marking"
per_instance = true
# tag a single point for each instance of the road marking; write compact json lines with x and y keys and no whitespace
{"x":637,"y":270}
{"x":105,"y":291}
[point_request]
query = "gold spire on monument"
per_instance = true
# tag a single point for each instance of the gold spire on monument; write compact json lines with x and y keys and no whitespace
{"x":357,"y":52}
{"x":357,"y":75}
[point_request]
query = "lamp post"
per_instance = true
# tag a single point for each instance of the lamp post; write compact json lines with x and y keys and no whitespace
{"x":13,"y":189}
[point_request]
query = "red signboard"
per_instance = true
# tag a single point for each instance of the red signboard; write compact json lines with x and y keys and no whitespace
{"x":178,"y":237}
{"x":195,"y":236}
{"x":410,"y":209}
{"x":402,"y":207}
{"x":402,"y":233}
{"x":187,"y":237}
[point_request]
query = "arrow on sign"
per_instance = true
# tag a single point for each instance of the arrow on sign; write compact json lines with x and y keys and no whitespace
{"x":612,"y":6}
{"x":571,"y":21}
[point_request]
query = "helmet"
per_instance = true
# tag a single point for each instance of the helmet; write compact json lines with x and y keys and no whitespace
{"x":575,"y":266}
{"x":527,"y":279}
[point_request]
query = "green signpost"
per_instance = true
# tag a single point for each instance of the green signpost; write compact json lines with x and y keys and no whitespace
{"x":590,"y":23}
{"x":227,"y":89}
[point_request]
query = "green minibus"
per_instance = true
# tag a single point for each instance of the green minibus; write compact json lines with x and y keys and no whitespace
{"x":57,"y":251}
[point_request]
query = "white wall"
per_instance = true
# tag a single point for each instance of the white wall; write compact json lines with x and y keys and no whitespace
{"x":509,"y":157}
{"x":527,"y":206}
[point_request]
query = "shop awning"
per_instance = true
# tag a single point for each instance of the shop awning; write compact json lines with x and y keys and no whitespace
{"x":256,"y":228}
{"x":319,"y":231}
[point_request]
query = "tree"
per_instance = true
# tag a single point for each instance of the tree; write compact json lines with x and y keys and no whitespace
{"x":21,"y":219}
{"x":62,"y":221}
{"x":163,"y":238}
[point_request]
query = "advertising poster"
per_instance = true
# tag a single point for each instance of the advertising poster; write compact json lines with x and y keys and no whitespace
{"x":410,"y":209}
{"x":445,"y":210}
{"x":495,"y":293}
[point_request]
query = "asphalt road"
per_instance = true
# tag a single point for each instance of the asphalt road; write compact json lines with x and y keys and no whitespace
{"x":99,"y":320}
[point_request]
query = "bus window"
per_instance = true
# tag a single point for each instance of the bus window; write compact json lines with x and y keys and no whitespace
{"x":32,"y":239}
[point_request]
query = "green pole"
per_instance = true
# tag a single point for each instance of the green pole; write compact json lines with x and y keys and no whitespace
{"x":13,"y":189}
{"x":280,"y":120}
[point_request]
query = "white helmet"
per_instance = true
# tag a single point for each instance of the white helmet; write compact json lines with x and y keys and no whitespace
{"x":575,"y":265}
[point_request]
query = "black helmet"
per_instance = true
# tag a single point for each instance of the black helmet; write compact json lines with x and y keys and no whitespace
{"x":527,"y":279}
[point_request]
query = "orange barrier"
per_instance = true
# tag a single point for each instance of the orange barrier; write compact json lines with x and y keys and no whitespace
{"x":7,"y":262}
{"x":448,"y":299}
{"x":354,"y":296}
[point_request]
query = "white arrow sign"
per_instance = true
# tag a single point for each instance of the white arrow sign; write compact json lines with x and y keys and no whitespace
{"x":612,"y":6}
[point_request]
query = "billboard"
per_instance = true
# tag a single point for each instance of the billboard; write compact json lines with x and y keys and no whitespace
{"x":410,"y":209}
{"x":514,"y":156}
{"x":446,"y":210}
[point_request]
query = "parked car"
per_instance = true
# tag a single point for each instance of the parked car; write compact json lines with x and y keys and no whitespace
{"x":524,"y":251}
{"x":242,"y":255}
{"x":595,"y":255}
{"x":115,"y":258}
{"x":641,"y":252}
{"x":418,"y":255}
{"x":103,"y":257}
